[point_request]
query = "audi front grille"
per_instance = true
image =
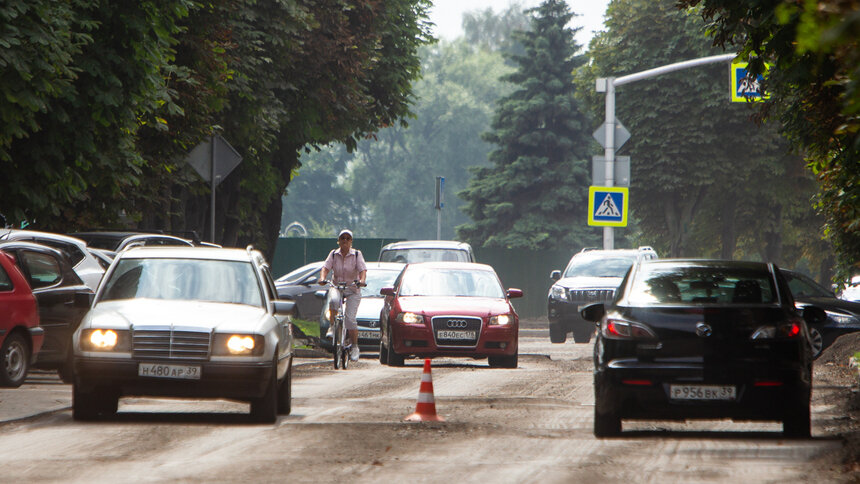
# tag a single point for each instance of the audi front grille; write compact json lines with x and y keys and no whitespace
{"x":456,"y":324}
{"x":170,"y":343}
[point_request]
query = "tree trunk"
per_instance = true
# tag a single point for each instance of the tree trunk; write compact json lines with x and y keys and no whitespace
{"x":728,"y":233}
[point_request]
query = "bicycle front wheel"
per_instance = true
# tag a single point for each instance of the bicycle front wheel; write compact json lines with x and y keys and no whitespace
{"x":337,"y":344}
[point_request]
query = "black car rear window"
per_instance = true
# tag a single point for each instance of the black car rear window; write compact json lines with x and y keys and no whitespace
{"x":701,"y":285}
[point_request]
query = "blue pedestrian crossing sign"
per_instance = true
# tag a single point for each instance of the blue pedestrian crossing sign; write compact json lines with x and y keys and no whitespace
{"x":607,"y":206}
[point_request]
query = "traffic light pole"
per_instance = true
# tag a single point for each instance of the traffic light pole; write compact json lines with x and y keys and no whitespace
{"x":607,"y":85}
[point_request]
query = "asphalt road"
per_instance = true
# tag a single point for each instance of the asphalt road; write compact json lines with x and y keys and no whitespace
{"x":532,"y":424}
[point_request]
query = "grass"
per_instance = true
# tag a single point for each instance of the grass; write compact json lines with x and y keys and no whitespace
{"x":311,"y":329}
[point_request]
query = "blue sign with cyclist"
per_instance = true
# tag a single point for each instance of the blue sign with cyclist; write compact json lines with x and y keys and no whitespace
{"x":607,"y":206}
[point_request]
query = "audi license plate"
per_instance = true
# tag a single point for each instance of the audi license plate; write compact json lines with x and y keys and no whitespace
{"x":184,"y":372}
{"x":368,"y":334}
{"x":703,"y":392}
{"x":455,"y":334}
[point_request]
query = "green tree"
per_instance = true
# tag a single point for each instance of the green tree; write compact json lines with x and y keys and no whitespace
{"x":815,"y":94}
{"x":703,"y":175}
{"x":533,"y":196}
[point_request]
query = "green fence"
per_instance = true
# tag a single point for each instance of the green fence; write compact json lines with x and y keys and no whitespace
{"x":523,"y":269}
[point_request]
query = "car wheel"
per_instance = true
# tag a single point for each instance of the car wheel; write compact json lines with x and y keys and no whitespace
{"x":393,"y":358}
{"x":66,"y":371}
{"x":816,"y":341}
{"x":285,"y":393}
{"x":265,"y":408}
{"x":383,"y":353}
{"x":607,"y":422}
{"x":557,"y":333}
{"x":506,"y":361}
{"x":14,"y":361}
{"x":89,"y":405}
{"x":582,"y":333}
{"x":798,"y":424}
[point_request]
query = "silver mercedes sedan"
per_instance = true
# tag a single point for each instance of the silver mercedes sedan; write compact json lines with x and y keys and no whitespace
{"x":190,"y":322}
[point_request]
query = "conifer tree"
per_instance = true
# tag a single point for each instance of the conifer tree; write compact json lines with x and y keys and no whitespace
{"x":534,"y":193}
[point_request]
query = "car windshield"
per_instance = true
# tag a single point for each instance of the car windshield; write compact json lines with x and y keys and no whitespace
{"x":613,"y":266}
{"x":184,"y":279}
{"x":377,"y":279}
{"x":424,"y":255}
{"x":701,"y":285}
{"x":418,"y":281}
{"x":802,"y":286}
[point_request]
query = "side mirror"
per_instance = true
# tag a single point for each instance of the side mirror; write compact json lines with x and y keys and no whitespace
{"x":593,"y":312}
{"x":283,"y":307}
{"x":387,"y":291}
{"x":84,"y":299}
{"x":310,"y":281}
{"x":321,"y":294}
{"x":814,"y":315}
{"x":555,"y":275}
{"x":514,"y":292}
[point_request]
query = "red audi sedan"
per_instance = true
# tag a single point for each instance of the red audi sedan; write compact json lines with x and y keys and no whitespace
{"x":20,"y":334}
{"x":449,"y":309}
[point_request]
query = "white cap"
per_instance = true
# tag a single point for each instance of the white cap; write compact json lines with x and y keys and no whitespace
{"x":345,"y":231}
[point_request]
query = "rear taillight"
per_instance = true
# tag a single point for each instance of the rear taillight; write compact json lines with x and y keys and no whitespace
{"x":614,"y":328}
{"x":791,"y":329}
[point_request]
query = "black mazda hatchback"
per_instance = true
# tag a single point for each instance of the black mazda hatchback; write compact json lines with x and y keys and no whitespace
{"x":702,"y":339}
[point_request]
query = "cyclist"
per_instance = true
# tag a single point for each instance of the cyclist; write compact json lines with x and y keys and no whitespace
{"x":346,"y":265}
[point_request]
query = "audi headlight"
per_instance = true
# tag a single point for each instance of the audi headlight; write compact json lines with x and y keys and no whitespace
{"x":501,"y":319}
{"x":238,"y":345}
{"x":410,"y":318}
{"x":104,"y":340}
{"x":557,"y":292}
{"x":842,"y":319}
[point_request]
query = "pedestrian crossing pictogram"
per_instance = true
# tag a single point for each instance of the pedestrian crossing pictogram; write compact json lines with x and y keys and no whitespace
{"x":607,"y":206}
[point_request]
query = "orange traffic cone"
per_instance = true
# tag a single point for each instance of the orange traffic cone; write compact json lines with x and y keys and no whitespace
{"x":425,"y":410}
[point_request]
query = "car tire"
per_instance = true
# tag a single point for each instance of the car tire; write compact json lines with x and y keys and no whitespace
{"x":607,"y":422}
{"x":14,"y":361}
{"x":265,"y":408}
{"x":798,"y":423}
{"x":505,"y":361}
{"x":393,"y":358}
{"x":383,"y":353}
{"x":285,"y":393}
{"x":557,"y":333}
{"x":66,"y":370}
{"x":90,"y":405}
{"x":582,"y":333}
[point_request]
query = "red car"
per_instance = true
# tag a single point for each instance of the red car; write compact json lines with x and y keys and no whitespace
{"x":20,"y":334}
{"x":449,"y":309}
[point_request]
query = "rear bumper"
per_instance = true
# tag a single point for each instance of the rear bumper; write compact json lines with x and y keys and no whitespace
{"x":763,"y":393}
{"x":218,"y":380}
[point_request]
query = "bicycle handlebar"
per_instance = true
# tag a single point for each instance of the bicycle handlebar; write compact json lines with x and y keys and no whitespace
{"x":343,"y":285}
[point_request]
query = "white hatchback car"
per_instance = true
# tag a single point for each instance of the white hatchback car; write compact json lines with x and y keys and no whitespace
{"x":189,"y":322}
{"x":85,"y":264}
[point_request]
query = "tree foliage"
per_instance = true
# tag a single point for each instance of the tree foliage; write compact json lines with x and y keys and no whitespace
{"x":706,"y":181}
{"x":815,"y":93}
{"x":533,"y":196}
{"x":141,"y":83}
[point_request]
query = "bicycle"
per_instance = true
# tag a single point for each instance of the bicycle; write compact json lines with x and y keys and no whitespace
{"x":339,"y":335}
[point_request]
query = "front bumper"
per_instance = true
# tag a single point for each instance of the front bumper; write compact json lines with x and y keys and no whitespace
{"x":418,"y":340}
{"x":232,"y":380}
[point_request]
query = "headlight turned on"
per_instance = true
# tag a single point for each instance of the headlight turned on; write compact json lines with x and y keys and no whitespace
{"x":104,"y":340}
{"x":238,"y":345}
{"x":410,"y":318}
{"x":500,"y":320}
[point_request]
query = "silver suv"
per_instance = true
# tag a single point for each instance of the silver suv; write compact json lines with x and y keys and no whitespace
{"x":592,"y":275}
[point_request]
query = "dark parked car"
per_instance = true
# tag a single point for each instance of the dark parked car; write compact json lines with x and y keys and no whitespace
{"x":62,"y":297}
{"x":592,"y":275}
{"x":300,"y":286}
{"x":842,"y":316}
{"x":427,"y":251}
{"x":697,"y":339}
{"x":449,"y":309}
{"x":20,"y":334}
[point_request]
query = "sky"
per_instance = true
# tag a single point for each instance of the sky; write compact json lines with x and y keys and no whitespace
{"x":448,"y":15}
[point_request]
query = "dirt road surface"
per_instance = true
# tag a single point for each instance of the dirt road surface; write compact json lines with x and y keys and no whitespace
{"x":532,"y":424}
